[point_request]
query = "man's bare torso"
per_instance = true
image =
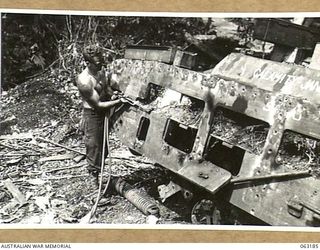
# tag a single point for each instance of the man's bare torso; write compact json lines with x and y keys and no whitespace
{"x":97,"y":83}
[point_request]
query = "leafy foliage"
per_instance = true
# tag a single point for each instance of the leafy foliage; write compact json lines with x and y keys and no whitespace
{"x":32,"y":43}
{"x":27,"y":45}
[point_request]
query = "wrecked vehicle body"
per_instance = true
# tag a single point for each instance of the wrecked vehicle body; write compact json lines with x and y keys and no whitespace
{"x":246,"y":131}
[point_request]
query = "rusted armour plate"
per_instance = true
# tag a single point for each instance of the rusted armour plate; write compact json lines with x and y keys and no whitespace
{"x":294,"y":80}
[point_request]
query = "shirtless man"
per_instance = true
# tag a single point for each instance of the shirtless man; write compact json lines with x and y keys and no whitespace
{"x":95,"y":88}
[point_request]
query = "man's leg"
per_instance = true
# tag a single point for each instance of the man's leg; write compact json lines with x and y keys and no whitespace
{"x":93,"y":140}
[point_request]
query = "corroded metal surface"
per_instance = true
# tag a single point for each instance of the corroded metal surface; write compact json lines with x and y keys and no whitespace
{"x":277,"y":97}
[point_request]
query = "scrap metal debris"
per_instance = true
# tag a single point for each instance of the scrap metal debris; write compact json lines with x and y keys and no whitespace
{"x":299,"y":153}
{"x":239,"y":131}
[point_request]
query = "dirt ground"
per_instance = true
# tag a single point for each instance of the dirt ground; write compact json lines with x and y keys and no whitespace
{"x":46,"y":185}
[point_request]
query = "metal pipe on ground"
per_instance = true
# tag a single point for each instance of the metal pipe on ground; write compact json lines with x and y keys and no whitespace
{"x":143,"y":202}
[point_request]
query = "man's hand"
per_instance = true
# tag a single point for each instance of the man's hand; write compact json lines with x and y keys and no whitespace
{"x":124,"y":100}
{"x":119,"y":96}
{"x":129,"y":101}
{"x":116,"y":95}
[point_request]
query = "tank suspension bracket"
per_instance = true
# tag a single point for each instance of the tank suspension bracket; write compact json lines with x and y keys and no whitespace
{"x":166,"y":191}
{"x":296,"y":206}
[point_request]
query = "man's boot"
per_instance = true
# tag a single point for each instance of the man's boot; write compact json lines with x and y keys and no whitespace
{"x":95,"y":174}
{"x":96,"y":179}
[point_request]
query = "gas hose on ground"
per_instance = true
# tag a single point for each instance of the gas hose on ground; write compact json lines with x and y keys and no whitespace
{"x":87,"y":218}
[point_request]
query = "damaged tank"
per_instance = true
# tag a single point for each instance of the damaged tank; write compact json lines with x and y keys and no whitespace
{"x":245,"y":131}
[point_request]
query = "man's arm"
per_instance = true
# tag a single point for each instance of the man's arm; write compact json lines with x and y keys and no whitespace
{"x":112,"y":80}
{"x":91,"y":96}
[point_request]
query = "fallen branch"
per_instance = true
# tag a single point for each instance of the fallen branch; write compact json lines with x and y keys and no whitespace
{"x":56,"y":158}
{"x":140,"y":41}
{"x":9,"y":220}
{"x":15,"y":192}
{"x":7,"y":146}
{"x":14,"y":161}
{"x":110,"y":50}
{"x":6,"y":192}
{"x":16,"y":136}
{"x":79,"y":152}
{"x":64,"y":168}
{"x":132,"y":159}
{"x":17,"y":155}
{"x":54,"y":170}
{"x":65,"y":177}
{"x":59,"y":145}
{"x":79,"y":158}
{"x":17,"y":147}
{"x":30,"y":148}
